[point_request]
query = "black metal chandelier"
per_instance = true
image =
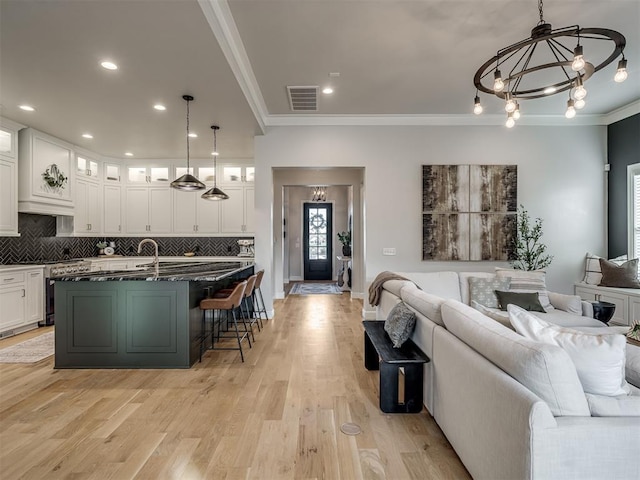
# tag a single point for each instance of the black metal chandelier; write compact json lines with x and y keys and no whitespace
{"x":542,"y":65}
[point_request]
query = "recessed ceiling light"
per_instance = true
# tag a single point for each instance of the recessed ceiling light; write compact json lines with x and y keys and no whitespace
{"x":193,"y":135}
{"x":27,"y":108}
{"x":87,"y":135}
{"x":327,"y":90}
{"x":109,"y":65}
{"x":160,"y":107}
{"x":128,"y":154}
{"x":215,"y":154}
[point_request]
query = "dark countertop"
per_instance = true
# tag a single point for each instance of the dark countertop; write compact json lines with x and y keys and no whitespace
{"x":168,"y":271}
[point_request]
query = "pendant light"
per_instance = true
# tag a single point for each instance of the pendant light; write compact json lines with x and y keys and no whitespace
{"x":187,"y":181}
{"x":215,"y":193}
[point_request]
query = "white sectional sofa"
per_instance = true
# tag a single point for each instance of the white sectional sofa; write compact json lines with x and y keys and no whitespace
{"x":478,"y":388}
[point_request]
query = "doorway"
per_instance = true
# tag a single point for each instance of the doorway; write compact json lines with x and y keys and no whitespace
{"x":317,"y":243}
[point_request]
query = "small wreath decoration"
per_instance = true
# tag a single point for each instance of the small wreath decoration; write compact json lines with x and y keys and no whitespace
{"x":54,"y":177}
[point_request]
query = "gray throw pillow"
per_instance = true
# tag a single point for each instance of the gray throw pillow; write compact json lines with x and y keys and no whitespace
{"x":482,"y":290}
{"x":527,"y":300}
{"x":623,"y":276}
{"x":400,"y":324}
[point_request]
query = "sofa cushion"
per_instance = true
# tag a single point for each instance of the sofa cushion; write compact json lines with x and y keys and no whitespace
{"x":528,"y":281}
{"x":464,"y":277}
{"x":568,"y":303}
{"x":632,"y":367}
{"x":622,"y":276}
{"x":493,"y":313}
{"x":442,"y":284}
{"x":394,"y":286}
{"x":399,"y":324}
{"x":599,"y":358}
{"x":482,"y":290}
{"x":544,"y":369}
{"x":427,"y":304}
{"x":530,"y":301}
{"x":565,"y":319}
{"x":619,"y":406}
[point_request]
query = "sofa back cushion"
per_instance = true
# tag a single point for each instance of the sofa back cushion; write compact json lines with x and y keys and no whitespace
{"x":546,"y":370}
{"x":441,"y":284}
{"x":427,"y":304}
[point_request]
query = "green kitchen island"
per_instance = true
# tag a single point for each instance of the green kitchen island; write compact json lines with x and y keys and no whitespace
{"x":143,"y":318}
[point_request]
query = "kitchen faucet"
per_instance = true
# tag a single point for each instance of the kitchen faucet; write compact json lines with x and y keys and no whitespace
{"x":156,"y":261}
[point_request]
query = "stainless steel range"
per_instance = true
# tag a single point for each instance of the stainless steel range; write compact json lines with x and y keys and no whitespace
{"x":58,"y":269}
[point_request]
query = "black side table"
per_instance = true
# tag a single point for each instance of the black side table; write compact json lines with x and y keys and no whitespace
{"x":603,"y":311}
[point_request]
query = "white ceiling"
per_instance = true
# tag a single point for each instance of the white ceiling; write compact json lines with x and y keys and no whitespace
{"x":399,"y":62}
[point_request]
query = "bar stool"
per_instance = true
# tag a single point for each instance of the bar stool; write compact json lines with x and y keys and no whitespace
{"x":228,"y":304}
{"x":247,"y":310}
{"x":257,"y":297}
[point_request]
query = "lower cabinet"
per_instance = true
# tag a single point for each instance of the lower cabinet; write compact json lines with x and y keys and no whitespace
{"x":627,"y":301}
{"x":21,"y":300}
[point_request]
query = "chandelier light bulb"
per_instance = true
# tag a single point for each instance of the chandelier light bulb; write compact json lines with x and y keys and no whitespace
{"x":510,"y":106}
{"x":510,"y":121}
{"x":578,"y":60}
{"x":579,"y":104}
{"x":477,"y":108}
{"x":571,"y":111}
{"x":621,"y":74}
{"x":498,"y":84}
{"x":580,"y":92}
{"x":516,"y":112}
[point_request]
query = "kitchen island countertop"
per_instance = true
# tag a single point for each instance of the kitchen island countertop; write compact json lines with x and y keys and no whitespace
{"x":167,"y":271}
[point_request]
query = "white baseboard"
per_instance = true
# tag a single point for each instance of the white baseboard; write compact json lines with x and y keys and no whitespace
{"x":294,"y":278}
{"x":369,"y":314}
{"x":271,"y":313}
{"x":279,"y":295}
{"x":357,"y":295}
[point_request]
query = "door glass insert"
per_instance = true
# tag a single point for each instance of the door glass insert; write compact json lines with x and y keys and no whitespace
{"x":5,"y":142}
{"x":251,"y":174}
{"x":318,"y":233}
{"x":159,"y":174}
{"x":232,"y":174}
{"x":113,"y":172}
{"x":137,"y":174}
{"x":207,"y":174}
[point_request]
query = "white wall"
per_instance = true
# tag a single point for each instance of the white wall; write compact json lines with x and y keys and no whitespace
{"x":560,"y":179}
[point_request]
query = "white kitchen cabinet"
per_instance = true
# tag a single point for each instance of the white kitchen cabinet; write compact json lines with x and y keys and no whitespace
{"x":148,"y":210}
{"x":46,"y":174}
{"x":35,"y":296}
{"x":21,"y":299}
{"x":147,"y":174}
{"x":87,"y":211}
{"x":87,"y":167}
{"x":194,"y":215}
{"x":9,"y":178}
{"x":112,"y":209}
{"x":112,"y":172}
{"x":237,"y":213}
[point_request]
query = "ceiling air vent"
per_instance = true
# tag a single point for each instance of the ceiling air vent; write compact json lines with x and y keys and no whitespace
{"x":303,"y":99}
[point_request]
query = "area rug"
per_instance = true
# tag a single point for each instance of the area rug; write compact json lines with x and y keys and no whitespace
{"x":315,"y":289}
{"x":29,"y":351}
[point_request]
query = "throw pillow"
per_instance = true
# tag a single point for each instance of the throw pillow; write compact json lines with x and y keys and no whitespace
{"x":482,"y":290}
{"x":400,"y":324}
{"x":528,"y":281}
{"x":623,"y":276}
{"x":495,"y":314}
{"x":527,"y":300}
{"x":592,"y":271}
{"x":599,"y":358}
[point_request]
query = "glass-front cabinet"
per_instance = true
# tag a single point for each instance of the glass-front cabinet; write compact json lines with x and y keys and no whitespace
{"x":112,"y":172}
{"x":153,"y":174}
{"x":236,"y":174}
{"x":86,"y":167}
{"x":204,"y":174}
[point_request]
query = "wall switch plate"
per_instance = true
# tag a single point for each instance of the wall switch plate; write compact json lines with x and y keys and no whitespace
{"x":388,"y":251}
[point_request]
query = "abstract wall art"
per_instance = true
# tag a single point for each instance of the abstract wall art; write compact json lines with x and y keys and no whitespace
{"x":469,"y":212}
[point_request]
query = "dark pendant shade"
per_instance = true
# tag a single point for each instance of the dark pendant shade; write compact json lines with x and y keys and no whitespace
{"x":188,"y":182}
{"x":215,"y":194}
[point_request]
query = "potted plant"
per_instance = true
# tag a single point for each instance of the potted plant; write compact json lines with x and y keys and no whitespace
{"x":530,"y":253}
{"x":345,"y":239}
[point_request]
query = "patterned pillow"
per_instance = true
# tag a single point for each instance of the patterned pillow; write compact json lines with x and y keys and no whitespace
{"x":527,"y":281}
{"x":482,"y":290}
{"x":400,"y":324}
{"x":592,"y":270}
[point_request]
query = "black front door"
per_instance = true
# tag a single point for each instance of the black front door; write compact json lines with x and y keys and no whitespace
{"x":317,"y":241}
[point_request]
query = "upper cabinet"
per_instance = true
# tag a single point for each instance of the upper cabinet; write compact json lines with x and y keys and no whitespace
{"x":112,"y":172}
{"x":46,"y":173}
{"x":9,"y":178}
{"x":237,"y":174}
{"x":86,"y":167}
{"x":140,"y":175}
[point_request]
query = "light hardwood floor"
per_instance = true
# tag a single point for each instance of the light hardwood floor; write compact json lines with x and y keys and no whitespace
{"x":276,"y":416}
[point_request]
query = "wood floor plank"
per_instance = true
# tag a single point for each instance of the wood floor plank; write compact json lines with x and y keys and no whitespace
{"x":275,"y":416}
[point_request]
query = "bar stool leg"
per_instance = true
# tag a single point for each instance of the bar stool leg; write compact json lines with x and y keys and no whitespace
{"x":243,"y":317}
{"x":235,"y":323}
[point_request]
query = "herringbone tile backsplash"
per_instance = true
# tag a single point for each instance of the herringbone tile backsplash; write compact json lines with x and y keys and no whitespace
{"x":38,"y":242}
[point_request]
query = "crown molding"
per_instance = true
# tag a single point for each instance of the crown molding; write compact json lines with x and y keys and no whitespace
{"x":220,"y":19}
{"x":427,"y":120}
{"x":623,"y":112}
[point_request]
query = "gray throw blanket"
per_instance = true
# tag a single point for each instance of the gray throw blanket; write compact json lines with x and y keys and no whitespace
{"x":375,"y":289}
